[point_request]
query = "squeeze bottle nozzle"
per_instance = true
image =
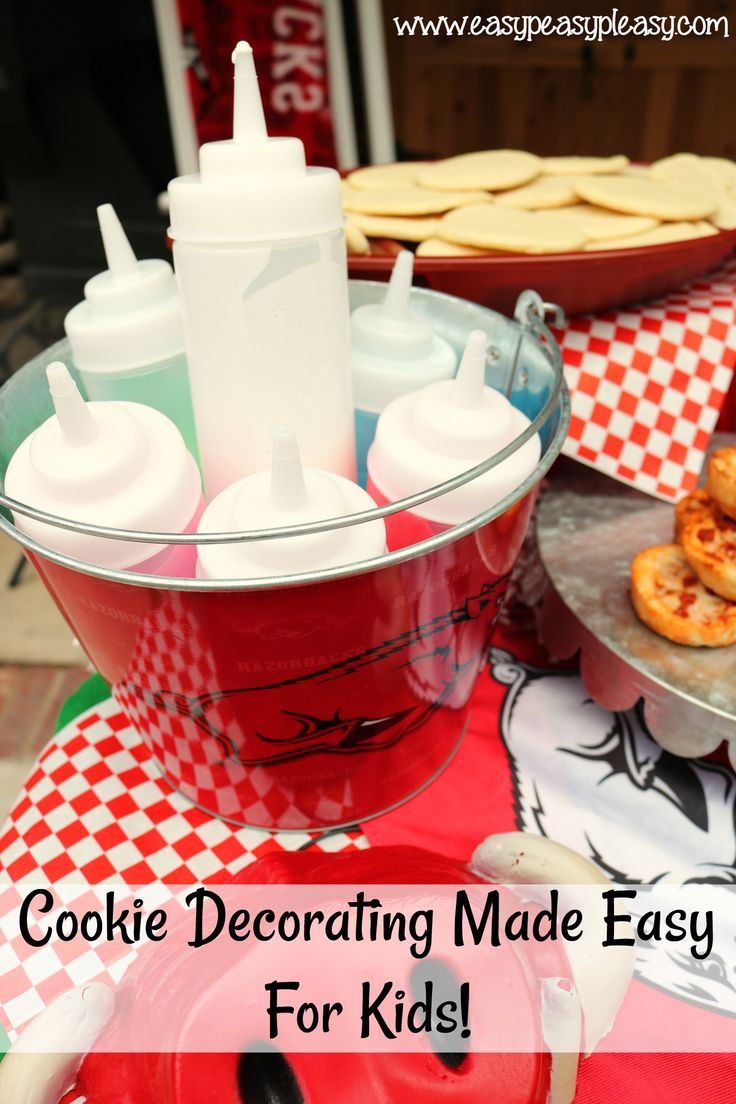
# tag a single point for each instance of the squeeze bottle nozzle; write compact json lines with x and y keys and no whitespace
{"x":122,"y":262}
{"x":251,"y":152}
{"x":249,"y":122}
{"x":75,"y":420}
{"x":288,"y":489}
{"x":398,"y":294}
{"x":467,"y":390}
{"x":286,"y":495}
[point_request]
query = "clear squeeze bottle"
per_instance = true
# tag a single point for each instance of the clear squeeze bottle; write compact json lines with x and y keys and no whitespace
{"x":394,"y":350}
{"x":287,"y":495}
{"x":259,"y":253}
{"x":127,"y":334}
{"x":119,"y":464}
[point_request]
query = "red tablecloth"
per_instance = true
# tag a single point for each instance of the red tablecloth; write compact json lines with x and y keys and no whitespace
{"x":538,"y":755}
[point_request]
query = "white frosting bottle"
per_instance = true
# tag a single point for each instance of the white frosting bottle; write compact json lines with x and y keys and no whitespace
{"x":428,"y":436}
{"x":119,"y":464}
{"x":127,"y":334}
{"x":393,"y":350}
{"x":287,"y":495}
{"x":259,"y":253}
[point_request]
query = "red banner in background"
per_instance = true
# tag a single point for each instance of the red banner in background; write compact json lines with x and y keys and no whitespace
{"x":289,"y":44}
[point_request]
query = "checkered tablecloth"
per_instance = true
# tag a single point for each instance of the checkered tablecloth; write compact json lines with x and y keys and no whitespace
{"x":647,"y":384}
{"x":95,"y":809}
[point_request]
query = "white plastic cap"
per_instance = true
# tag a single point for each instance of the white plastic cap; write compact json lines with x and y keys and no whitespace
{"x":252,"y":187}
{"x":394,"y":348}
{"x":119,"y":464}
{"x":130,"y":316}
{"x":284,"y":496}
{"x":428,"y":436}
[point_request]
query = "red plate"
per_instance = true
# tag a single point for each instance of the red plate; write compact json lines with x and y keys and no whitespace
{"x":580,"y":282}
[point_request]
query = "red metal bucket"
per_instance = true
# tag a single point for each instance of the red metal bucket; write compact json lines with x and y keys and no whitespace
{"x":318,"y":700}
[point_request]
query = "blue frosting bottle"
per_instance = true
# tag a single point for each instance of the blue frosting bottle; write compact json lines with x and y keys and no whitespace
{"x":394,"y":349}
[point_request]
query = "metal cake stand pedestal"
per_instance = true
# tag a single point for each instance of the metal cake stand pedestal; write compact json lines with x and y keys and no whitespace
{"x":589,"y":529}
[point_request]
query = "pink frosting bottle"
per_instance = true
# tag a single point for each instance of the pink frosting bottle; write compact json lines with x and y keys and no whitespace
{"x":119,"y":464}
{"x":426,"y":437}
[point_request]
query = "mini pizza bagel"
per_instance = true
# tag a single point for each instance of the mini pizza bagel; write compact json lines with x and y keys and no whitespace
{"x":694,"y":507}
{"x":709,"y":544}
{"x":671,"y":600}
{"x":722,"y":480}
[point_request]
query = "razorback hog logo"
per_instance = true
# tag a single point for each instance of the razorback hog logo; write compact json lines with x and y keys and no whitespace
{"x":435,"y":661}
{"x":598,"y":782}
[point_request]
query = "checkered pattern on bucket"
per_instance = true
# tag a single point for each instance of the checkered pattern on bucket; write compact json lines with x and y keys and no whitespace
{"x":172,"y":652}
{"x":96,"y":809}
{"x":647,"y":384}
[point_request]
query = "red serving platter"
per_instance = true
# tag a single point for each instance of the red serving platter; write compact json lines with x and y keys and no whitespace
{"x":580,"y":283}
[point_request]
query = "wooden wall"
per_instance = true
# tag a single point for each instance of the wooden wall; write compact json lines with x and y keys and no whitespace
{"x":638,"y":96}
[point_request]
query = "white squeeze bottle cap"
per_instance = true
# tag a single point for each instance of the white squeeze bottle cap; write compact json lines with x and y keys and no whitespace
{"x":428,"y":436}
{"x":130,"y":316}
{"x":284,"y":200}
{"x":394,"y":347}
{"x":287,"y":495}
{"x":119,"y":464}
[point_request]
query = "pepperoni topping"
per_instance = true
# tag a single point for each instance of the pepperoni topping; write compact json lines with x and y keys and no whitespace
{"x":686,"y":601}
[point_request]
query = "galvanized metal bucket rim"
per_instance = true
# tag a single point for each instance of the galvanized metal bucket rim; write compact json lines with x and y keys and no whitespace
{"x":558,"y":395}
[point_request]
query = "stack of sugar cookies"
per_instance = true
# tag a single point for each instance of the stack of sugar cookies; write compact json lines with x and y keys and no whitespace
{"x":687,"y":591}
{"x":509,"y":201}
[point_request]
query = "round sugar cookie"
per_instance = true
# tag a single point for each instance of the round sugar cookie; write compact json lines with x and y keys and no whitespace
{"x":401,"y":229}
{"x":717,"y":168}
{"x":488,"y":170}
{"x":356,"y":240}
{"x":635,"y":195}
{"x":488,"y":226}
{"x":687,"y":171}
{"x":546,"y":192}
{"x":382,"y":176}
{"x":407,"y":199}
{"x":664,"y":166}
{"x":723,"y":169}
{"x":598,"y":224}
{"x":584,"y":166}
{"x":665,"y":232}
{"x":436,"y":247}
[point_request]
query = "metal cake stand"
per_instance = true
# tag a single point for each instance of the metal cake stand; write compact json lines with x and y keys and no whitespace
{"x":589,"y":529}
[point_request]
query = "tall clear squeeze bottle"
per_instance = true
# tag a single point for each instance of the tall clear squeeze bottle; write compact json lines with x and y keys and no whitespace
{"x":260,"y":258}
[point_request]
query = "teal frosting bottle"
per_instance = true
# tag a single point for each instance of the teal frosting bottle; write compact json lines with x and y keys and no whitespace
{"x":127,"y":336}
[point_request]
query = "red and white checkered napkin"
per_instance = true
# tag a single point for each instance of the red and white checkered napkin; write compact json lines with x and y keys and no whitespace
{"x":95,"y":809}
{"x":647,"y":384}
